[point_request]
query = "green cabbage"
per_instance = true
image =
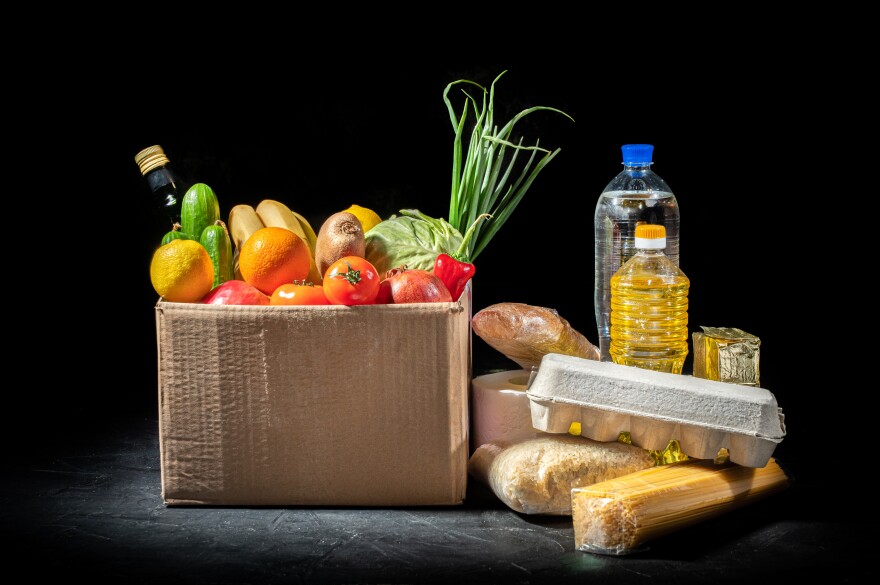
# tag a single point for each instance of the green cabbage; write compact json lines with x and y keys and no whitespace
{"x":412,"y":239}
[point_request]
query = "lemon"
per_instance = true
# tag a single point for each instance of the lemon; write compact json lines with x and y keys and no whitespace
{"x":367,"y":217}
{"x":181,"y":271}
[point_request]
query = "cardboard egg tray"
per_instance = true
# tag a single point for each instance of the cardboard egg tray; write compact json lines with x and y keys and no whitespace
{"x":656,"y":407}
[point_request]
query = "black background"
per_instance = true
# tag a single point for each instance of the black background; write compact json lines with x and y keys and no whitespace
{"x":379,"y":135}
{"x":746,"y":129}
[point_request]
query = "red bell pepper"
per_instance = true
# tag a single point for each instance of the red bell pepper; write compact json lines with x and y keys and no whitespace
{"x":454,"y":273}
{"x":455,"y":269}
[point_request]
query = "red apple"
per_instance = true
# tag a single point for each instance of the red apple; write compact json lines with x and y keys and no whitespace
{"x":235,"y":292}
{"x":412,"y":285}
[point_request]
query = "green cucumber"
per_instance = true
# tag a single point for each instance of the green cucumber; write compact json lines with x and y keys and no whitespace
{"x":176,"y":234}
{"x":215,"y":238}
{"x":199,"y":209}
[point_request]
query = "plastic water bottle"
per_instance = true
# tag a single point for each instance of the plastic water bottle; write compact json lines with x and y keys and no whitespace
{"x":649,"y":303}
{"x":635,"y":196}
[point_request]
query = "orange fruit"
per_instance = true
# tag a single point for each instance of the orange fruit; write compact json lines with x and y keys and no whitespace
{"x":181,"y":271}
{"x":273,"y":256}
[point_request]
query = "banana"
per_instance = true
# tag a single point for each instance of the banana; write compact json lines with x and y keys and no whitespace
{"x":243,"y":221}
{"x":307,"y":228}
{"x":275,"y":214}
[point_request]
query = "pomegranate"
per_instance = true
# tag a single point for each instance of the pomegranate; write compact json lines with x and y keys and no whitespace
{"x":405,"y":285}
{"x":235,"y":292}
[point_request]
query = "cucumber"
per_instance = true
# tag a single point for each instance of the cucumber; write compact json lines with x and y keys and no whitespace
{"x":176,"y":234}
{"x":199,"y":209}
{"x":215,"y":238}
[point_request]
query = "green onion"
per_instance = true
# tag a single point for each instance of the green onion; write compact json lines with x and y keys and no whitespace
{"x":480,"y":183}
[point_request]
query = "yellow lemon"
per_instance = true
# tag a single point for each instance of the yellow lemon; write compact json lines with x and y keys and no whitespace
{"x":367,"y":217}
{"x":181,"y":271}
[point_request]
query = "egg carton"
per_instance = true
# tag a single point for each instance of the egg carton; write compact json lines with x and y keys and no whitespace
{"x":656,"y":407}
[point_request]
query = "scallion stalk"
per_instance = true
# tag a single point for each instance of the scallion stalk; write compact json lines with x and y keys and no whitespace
{"x":480,"y":181}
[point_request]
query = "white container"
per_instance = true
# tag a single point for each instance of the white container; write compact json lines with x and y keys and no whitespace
{"x":656,"y":407}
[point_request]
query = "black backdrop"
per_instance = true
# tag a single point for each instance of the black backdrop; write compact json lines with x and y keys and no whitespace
{"x":378,"y":134}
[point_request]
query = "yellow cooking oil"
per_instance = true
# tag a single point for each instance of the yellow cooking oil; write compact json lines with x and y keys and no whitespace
{"x":649,"y":303}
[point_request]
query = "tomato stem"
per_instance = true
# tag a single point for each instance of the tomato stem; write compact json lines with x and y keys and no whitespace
{"x":351,"y":275}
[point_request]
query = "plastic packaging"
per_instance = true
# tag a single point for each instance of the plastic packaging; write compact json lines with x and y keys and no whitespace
{"x":499,"y":407}
{"x":649,"y":302}
{"x":636,"y":195}
{"x":163,"y":181}
{"x":618,"y":516}
{"x":656,"y":407}
{"x":536,"y":475}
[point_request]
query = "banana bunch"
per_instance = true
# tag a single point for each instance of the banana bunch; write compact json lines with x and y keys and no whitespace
{"x":244,"y":220}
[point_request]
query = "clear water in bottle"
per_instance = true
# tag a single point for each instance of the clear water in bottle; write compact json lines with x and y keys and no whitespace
{"x":637,"y":195}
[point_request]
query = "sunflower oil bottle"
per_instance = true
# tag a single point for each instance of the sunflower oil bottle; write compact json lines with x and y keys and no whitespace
{"x":649,"y":303}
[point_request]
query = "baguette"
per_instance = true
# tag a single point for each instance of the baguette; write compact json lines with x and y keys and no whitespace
{"x":525,"y":333}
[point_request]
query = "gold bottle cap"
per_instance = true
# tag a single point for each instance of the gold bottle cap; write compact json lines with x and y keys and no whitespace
{"x":150,"y":158}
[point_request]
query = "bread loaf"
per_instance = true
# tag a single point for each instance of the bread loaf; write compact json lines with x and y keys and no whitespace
{"x":525,"y":333}
{"x":536,"y":475}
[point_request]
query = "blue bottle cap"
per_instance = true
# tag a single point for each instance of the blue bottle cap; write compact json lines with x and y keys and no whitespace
{"x":634,"y":154}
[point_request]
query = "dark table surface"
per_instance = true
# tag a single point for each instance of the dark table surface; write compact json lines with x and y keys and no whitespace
{"x":91,"y":508}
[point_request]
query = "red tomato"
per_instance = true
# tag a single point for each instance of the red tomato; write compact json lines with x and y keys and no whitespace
{"x":351,"y":280}
{"x":297,"y":293}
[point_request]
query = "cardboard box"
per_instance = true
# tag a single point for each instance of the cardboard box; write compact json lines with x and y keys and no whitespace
{"x":309,"y":405}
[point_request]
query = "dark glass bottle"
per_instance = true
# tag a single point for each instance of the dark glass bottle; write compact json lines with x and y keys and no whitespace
{"x":163,"y":182}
